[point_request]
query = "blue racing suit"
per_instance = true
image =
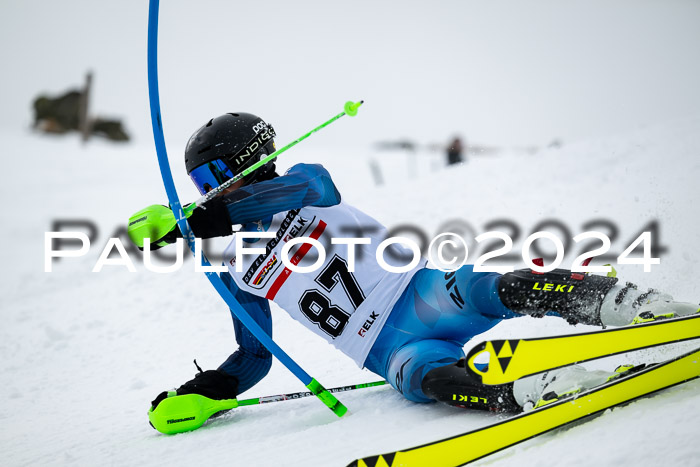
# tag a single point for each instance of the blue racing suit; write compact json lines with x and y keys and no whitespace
{"x":428,"y":326}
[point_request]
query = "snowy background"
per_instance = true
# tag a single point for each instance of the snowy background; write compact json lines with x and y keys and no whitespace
{"x":84,"y":353}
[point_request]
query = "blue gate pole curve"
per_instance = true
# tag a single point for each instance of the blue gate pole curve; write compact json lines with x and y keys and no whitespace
{"x":236,"y":309}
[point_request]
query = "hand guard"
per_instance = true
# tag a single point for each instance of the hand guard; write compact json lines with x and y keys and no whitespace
{"x":157,"y":223}
{"x":209,"y":394}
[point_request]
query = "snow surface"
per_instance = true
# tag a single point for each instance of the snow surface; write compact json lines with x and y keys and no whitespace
{"x":84,"y":353}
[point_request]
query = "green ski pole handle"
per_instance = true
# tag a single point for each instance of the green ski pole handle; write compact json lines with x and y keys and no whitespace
{"x":349,"y":109}
{"x":179,"y":414}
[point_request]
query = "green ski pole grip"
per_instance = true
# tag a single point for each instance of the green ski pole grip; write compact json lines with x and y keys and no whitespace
{"x":327,"y":398}
{"x":351,"y":108}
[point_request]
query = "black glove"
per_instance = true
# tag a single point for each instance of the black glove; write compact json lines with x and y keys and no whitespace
{"x":210,"y":220}
{"x":157,"y":222}
{"x":214,"y":384}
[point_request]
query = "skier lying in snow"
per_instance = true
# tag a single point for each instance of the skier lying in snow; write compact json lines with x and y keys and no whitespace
{"x":408,"y":327}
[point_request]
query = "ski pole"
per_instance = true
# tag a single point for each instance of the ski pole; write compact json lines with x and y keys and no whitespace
{"x":299,"y":395}
{"x":178,"y":414}
{"x":349,"y":109}
{"x":236,"y":309}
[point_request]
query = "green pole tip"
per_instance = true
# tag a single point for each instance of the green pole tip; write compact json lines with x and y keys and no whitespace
{"x":351,"y":107}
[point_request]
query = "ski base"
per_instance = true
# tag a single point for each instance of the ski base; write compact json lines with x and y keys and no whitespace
{"x":473,"y":445}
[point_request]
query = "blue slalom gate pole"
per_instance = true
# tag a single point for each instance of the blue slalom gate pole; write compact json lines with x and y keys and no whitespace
{"x":236,"y":309}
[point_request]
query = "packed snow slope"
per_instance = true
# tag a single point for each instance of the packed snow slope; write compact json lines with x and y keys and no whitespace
{"x":83,"y":353}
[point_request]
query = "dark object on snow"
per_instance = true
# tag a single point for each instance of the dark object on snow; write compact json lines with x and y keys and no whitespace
{"x":555,"y":144}
{"x":401,"y":144}
{"x":110,"y":129}
{"x":454,"y":152}
{"x":69,"y":112}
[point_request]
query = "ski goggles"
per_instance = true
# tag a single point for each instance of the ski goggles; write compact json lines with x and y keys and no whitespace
{"x":211,"y":175}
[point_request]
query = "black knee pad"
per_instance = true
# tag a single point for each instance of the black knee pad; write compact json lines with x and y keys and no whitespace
{"x":576,"y":297}
{"x":452,"y":385}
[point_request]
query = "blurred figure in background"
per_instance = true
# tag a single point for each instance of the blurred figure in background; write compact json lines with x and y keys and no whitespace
{"x":454,"y":151}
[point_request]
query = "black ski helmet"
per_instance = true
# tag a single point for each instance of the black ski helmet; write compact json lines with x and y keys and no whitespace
{"x":227,"y":145}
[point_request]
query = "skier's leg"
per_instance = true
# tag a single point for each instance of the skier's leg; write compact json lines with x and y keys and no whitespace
{"x":408,"y":365}
{"x":454,"y":306}
{"x":452,"y":384}
{"x":430,"y":370}
{"x":433,"y":370}
{"x":419,"y":349}
{"x":437,"y":313}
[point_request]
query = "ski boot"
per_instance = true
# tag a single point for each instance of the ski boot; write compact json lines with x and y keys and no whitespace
{"x":585,"y":298}
{"x":624,"y":305}
{"x":452,"y":385}
{"x":533,"y":392}
{"x":575,"y":297}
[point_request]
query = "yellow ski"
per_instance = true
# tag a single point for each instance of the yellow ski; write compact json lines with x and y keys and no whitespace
{"x":473,"y":445}
{"x":509,"y":360}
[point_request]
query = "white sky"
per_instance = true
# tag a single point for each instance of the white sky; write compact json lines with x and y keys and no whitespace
{"x":498,"y":72}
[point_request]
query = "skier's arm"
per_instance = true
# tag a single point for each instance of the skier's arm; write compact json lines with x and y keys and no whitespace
{"x":251,"y":362}
{"x":302,"y":185}
{"x":245,"y":367}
